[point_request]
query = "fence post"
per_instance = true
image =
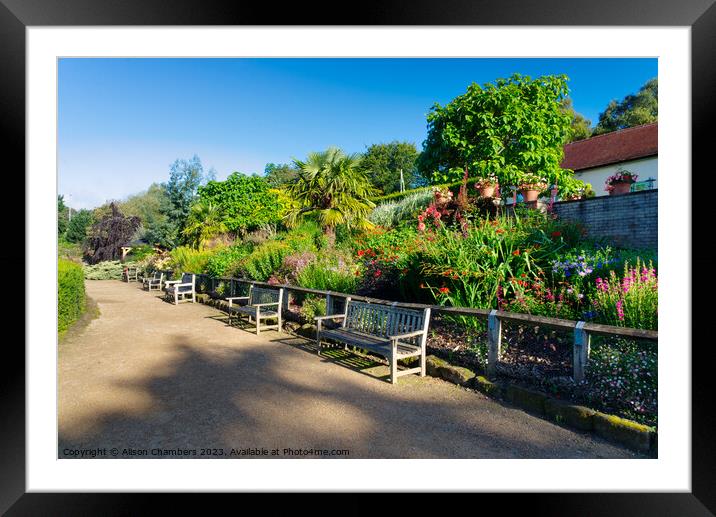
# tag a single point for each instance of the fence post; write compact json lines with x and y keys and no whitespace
{"x":494,"y":341}
{"x":286,"y":299}
{"x":581,"y":351}
{"x":329,"y":304}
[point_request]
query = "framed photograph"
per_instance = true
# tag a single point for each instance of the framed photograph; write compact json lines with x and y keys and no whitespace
{"x":327,"y":188}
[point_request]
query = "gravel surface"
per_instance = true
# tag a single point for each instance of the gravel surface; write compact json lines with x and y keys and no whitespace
{"x":147,"y":374}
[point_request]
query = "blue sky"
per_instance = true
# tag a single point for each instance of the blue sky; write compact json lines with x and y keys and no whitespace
{"x":122,"y":122}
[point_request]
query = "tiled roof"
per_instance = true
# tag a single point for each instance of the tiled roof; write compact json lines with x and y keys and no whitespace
{"x":617,"y":146}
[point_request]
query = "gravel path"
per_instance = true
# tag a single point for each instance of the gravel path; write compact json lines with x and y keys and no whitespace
{"x":149,"y":378}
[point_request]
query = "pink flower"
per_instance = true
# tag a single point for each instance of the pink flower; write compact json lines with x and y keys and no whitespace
{"x":421,"y":227}
{"x":620,"y":310}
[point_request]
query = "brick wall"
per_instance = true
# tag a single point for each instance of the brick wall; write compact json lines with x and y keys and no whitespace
{"x":629,"y":220}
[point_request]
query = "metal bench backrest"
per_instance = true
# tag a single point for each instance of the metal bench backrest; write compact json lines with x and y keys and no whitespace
{"x":261,"y":295}
{"x":382,"y":320}
{"x":158,"y":275}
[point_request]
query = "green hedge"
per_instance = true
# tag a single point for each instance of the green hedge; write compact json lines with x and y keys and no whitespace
{"x":70,"y":293}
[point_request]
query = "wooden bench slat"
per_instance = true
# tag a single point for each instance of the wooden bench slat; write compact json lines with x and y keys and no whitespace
{"x":369,"y":326}
{"x":258,"y":298}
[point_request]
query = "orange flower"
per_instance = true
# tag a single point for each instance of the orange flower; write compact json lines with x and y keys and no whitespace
{"x":444,"y":290}
{"x":516,"y":252}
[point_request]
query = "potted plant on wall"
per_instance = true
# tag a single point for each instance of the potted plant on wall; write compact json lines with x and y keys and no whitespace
{"x":530,"y":186}
{"x":487,"y":186}
{"x":620,"y":183}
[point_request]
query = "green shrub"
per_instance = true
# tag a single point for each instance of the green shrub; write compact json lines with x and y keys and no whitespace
{"x":140,"y":253}
{"x":246,"y":202}
{"x":225,"y":261}
{"x":70,"y":294}
{"x":306,"y":237}
{"x":186,"y":259}
{"x":263,"y":261}
{"x":327,"y":277}
{"x":69,"y":250}
{"x":313,"y":306}
{"x":107,"y":270}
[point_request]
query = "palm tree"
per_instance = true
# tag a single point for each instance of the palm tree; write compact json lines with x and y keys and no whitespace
{"x":330,"y":188}
{"x":205,"y":222}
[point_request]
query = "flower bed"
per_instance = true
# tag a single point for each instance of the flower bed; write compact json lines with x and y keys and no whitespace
{"x":621,"y":376}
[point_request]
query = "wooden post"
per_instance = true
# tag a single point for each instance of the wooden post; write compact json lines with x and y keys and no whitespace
{"x":286,"y":299}
{"x":329,"y":304}
{"x":581,"y":351}
{"x":494,"y":341}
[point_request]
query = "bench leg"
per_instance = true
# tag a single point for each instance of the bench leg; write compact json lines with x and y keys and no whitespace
{"x":393,"y":370}
{"x":422,"y":365}
{"x":176,"y":298}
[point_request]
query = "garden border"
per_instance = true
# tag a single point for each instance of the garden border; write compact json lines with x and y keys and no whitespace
{"x":582,"y":330}
{"x":633,"y":435}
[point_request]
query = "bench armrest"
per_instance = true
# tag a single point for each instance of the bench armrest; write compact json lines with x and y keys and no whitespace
{"x":230,"y":298}
{"x":172,"y":282}
{"x":264,"y":304}
{"x":331,"y":317}
{"x":409,"y":334}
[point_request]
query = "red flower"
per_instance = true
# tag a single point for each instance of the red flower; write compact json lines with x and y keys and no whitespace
{"x":556,"y":234}
{"x":444,"y":290}
{"x":516,"y":252}
{"x":377,"y":273}
{"x":361,"y":253}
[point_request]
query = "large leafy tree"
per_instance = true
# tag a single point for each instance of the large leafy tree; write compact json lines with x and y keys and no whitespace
{"x":78,"y":225}
{"x":383,"y":163}
{"x":106,"y":237}
{"x":245,"y":202}
{"x":151,"y":207}
{"x":332,"y":189}
{"x":510,"y":129}
{"x":633,"y":110}
{"x":581,"y":127}
{"x":62,"y":215}
{"x":185,"y":178}
{"x":206,"y":221}
{"x":280,"y":175}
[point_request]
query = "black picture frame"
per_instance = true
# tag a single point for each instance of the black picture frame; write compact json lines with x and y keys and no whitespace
{"x":700,"y":15}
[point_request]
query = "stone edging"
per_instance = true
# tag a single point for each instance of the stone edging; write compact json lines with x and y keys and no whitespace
{"x":625,"y":432}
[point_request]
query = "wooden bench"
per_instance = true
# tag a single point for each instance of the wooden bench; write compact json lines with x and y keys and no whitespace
{"x":263,"y":304}
{"x":154,"y":281}
{"x":181,"y":289}
{"x":130,"y":274}
{"x":385,"y":330}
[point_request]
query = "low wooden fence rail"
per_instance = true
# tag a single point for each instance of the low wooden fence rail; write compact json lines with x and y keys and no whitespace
{"x":582,"y":330}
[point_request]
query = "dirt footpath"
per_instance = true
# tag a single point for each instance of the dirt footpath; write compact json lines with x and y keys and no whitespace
{"x":148,"y":376}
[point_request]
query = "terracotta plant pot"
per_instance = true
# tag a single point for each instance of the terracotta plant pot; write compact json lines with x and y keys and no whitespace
{"x":622,"y":187}
{"x":530,"y":196}
{"x":488,"y":191}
